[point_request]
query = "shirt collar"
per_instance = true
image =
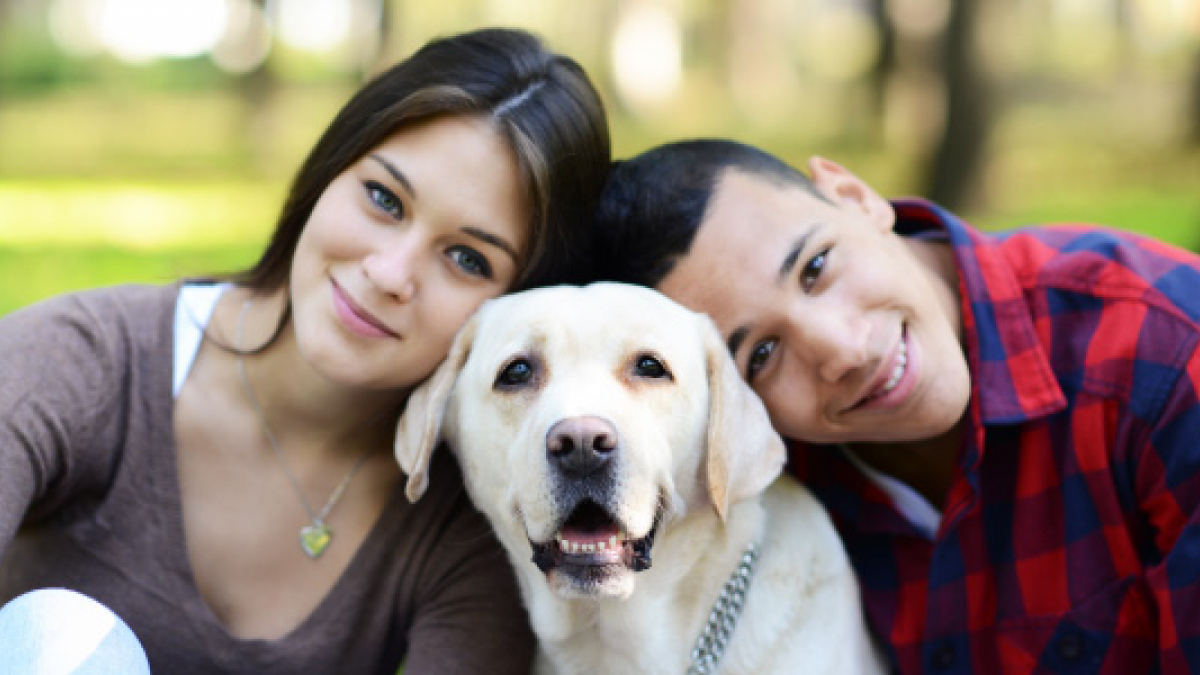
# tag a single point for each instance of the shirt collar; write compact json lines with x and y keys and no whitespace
{"x":1011,"y":377}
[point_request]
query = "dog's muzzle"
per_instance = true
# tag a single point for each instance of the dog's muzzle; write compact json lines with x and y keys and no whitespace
{"x":582,"y":451}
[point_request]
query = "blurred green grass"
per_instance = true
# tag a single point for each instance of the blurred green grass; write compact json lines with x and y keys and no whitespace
{"x":100,"y":188}
{"x":48,"y":245}
{"x":34,"y":266}
{"x":64,"y":235}
{"x":32,"y":274}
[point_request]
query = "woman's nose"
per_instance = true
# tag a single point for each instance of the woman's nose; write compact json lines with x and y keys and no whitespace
{"x":394,"y":270}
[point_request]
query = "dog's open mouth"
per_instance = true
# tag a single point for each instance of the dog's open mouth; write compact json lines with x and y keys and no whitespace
{"x":591,"y":537}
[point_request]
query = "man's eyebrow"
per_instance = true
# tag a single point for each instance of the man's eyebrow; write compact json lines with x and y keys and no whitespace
{"x":789,"y":260}
{"x":736,"y":338}
{"x":396,"y":174}
{"x":492,"y":239}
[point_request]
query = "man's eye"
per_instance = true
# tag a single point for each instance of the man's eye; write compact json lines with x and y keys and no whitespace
{"x":472,"y":262}
{"x":812,"y":270}
{"x":648,"y":366}
{"x":515,"y":374}
{"x":385,"y":199}
{"x":759,"y":356}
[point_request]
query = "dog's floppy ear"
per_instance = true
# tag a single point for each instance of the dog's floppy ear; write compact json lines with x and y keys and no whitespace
{"x":745,"y":454}
{"x":420,"y":426}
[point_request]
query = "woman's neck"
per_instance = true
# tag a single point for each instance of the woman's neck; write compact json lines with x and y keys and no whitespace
{"x":302,"y":407}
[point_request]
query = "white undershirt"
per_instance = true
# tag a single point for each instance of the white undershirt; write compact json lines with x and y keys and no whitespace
{"x":192,"y":313}
{"x":911,"y":504}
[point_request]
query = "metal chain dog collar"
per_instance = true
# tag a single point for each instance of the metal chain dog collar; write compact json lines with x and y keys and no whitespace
{"x":714,"y":638}
{"x":316,"y":536}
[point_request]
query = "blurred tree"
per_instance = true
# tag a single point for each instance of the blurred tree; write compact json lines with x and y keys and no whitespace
{"x":1194,"y":132}
{"x":880,"y":75}
{"x":256,"y":88}
{"x":3,"y":23}
{"x":954,"y":173}
{"x":383,"y":35}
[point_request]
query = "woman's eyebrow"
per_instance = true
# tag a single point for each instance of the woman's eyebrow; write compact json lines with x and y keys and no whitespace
{"x":482,"y":235}
{"x":396,"y":174}
{"x":492,"y":239}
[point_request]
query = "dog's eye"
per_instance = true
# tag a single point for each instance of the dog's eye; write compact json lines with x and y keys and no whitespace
{"x":515,"y":374}
{"x":648,"y":366}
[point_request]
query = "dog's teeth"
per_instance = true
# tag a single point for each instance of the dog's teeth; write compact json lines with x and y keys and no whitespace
{"x":574,"y":547}
{"x":588,"y":548}
{"x":612,"y":541}
{"x":599,"y":546}
{"x":564,"y":545}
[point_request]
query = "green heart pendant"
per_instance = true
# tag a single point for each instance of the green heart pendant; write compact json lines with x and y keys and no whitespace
{"x":315,"y":538}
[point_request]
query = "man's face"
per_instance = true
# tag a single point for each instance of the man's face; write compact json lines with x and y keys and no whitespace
{"x":847,"y":331}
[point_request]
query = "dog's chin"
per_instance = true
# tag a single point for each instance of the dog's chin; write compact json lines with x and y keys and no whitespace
{"x":592,"y":555}
{"x":591,"y":582}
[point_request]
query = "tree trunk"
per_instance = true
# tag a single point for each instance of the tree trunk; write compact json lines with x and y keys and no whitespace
{"x":885,"y":65}
{"x":955,"y":171}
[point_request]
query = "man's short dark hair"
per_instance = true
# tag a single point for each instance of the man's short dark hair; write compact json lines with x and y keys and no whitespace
{"x":653,"y":204}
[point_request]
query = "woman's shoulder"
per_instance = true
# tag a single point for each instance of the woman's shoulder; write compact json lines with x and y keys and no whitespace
{"x":111,"y":323}
{"x":102,"y":305}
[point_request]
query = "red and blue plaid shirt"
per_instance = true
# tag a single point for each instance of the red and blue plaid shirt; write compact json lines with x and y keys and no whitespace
{"x":1070,"y":539}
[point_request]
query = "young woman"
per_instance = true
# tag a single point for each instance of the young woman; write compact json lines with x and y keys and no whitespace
{"x":212,"y":461}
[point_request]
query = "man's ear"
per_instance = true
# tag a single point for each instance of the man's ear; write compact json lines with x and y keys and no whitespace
{"x":744,"y":453}
{"x":420,"y":426}
{"x":847,"y":190}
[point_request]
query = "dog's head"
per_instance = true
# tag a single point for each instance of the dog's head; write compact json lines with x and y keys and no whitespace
{"x":586,"y":417}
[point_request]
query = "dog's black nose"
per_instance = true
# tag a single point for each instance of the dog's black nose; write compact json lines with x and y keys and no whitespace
{"x":581,"y":446}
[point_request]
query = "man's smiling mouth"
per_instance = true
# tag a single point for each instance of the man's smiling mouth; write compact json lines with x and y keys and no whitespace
{"x":896,"y":372}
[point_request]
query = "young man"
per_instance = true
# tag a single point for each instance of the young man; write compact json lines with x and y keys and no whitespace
{"x":1005,"y":428}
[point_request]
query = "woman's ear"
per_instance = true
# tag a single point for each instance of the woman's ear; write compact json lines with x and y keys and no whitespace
{"x":847,"y":190}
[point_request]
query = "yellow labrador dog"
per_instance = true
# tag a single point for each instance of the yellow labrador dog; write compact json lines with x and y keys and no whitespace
{"x":634,"y":481}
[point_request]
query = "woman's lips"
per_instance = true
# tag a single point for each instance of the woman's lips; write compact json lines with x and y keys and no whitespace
{"x":356,"y":319}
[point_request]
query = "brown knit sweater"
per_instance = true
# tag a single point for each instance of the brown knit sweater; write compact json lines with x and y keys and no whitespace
{"x":89,"y":500}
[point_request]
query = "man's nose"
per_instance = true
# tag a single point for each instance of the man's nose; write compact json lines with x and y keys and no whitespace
{"x":835,"y":342}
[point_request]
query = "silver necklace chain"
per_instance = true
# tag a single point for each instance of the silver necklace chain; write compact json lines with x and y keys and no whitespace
{"x":723,"y":618}
{"x":316,"y":536}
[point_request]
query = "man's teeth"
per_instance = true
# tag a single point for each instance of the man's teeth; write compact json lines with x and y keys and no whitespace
{"x":568,"y":546}
{"x":898,"y":371}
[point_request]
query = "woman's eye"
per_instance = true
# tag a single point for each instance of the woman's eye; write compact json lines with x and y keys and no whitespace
{"x":515,"y":374}
{"x":648,"y":366}
{"x":471,"y":261}
{"x":811,"y":271}
{"x":759,"y":356}
{"x":385,"y":199}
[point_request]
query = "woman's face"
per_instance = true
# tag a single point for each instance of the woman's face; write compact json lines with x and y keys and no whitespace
{"x":402,"y":247}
